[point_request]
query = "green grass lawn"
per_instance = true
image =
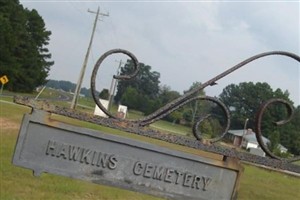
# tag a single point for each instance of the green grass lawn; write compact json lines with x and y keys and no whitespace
{"x":172,"y":128}
{"x":18,"y":183}
{"x":258,"y":183}
{"x":86,"y":104}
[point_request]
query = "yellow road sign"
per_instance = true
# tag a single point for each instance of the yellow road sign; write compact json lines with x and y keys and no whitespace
{"x":3,"y":79}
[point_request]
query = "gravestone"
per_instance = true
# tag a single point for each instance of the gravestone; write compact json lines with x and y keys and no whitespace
{"x":98,"y":111}
{"x":122,"y":111}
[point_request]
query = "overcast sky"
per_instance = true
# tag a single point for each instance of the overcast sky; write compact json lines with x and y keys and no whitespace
{"x":184,"y":41}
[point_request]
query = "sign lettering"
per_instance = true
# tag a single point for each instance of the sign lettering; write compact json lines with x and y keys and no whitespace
{"x":101,"y":158}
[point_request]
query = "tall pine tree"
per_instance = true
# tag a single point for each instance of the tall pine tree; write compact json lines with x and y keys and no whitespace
{"x":24,"y":57}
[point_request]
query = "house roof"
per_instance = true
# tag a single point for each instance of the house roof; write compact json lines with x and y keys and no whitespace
{"x":236,"y":132}
{"x":249,"y":135}
{"x":252,"y":138}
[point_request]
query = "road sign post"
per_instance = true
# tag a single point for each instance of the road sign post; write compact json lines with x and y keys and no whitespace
{"x":3,"y":80}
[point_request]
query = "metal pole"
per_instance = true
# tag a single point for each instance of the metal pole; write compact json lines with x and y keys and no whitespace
{"x":244,"y":130}
{"x":110,"y":94}
{"x":81,"y":75}
{"x":1,"y":89}
{"x":37,"y":96}
{"x":113,"y":86}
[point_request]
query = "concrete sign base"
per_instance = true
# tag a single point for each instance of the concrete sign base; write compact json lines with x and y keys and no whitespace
{"x":45,"y":145}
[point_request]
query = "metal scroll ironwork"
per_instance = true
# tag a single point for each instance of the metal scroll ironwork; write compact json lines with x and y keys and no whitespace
{"x":191,"y":96}
{"x":258,"y":131}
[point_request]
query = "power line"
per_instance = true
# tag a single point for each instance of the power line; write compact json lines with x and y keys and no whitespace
{"x":81,"y":75}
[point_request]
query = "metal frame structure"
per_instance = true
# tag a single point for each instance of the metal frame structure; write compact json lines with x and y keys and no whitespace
{"x":190,"y":96}
{"x":139,"y":126}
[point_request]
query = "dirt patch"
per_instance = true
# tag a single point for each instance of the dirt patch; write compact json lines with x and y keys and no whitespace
{"x":8,"y":124}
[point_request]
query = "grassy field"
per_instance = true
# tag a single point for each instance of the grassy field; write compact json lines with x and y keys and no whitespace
{"x":88,"y":105}
{"x":19,"y":183}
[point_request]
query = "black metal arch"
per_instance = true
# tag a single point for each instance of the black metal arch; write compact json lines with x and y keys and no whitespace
{"x":190,"y":96}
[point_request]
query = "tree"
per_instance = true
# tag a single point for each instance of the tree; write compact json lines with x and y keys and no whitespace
{"x":134,"y":100}
{"x":68,"y":86}
{"x":23,"y":55}
{"x":144,"y":87}
{"x":131,"y":98}
{"x":193,"y":109}
{"x":292,"y":134}
{"x":166,"y":95}
{"x":104,"y":94}
{"x":244,"y":101}
{"x":274,"y":141}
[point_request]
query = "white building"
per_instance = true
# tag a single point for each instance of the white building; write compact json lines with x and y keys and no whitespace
{"x":247,"y":139}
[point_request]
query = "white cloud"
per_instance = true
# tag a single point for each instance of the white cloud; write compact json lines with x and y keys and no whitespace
{"x":185,"y":42}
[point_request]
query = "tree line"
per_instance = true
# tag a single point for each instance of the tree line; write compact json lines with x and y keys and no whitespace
{"x":68,"y":86}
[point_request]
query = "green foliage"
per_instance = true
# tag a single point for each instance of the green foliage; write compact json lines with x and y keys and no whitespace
{"x":131,"y":98}
{"x":141,"y":92}
{"x":244,"y":101}
{"x":166,"y":95}
{"x":274,"y":138}
{"x":135,"y":100}
{"x":104,"y":94}
{"x":206,"y":128}
{"x":294,"y":134}
{"x":23,"y":55}
{"x":174,"y":116}
{"x":68,"y":86}
{"x":195,"y":108}
{"x":145,"y":83}
{"x":277,"y":152}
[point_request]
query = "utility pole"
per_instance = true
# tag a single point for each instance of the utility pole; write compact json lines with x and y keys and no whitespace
{"x":244,"y":132}
{"x":37,"y":96}
{"x":81,"y":75}
{"x":113,"y":85}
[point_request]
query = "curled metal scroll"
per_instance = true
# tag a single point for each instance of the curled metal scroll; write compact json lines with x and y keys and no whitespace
{"x":197,"y":132}
{"x":258,"y":123}
{"x":124,"y":77}
{"x":171,"y":108}
{"x":183,"y":100}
